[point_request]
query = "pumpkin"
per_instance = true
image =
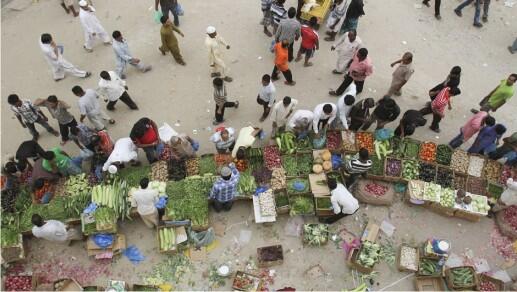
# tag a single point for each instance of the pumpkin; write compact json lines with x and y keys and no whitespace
{"x":317,"y":168}
{"x":326,"y":155}
{"x":327,"y":165}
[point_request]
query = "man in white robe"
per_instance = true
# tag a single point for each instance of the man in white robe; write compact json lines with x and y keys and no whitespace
{"x":54,"y":57}
{"x":123,"y":56}
{"x":336,"y":18}
{"x":214,"y":43}
{"x":346,"y":47}
{"x":91,"y":26}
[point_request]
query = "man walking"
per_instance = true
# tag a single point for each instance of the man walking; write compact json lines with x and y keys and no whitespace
{"x":89,"y":107}
{"x":401,"y":75}
{"x":59,"y":110}
{"x":265,"y":5}
{"x":55,"y":59}
{"x":509,"y":145}
{"x":144,"y":199}
{"x":289,"y":29}
{"x":437,"y":4}
{"x":278,"y":13}
{"x":214,"y":43}
{"x":53,"y":230}
{"x":411,"y":120}
{"x":336,"y":17}
{"x":387,"y":110}
{"x":169,"y":40}
{"x":345,"y":104}
{"x":486,"y":5}
{"x":221,"y":100}
{"x":437,"y":106}
{"x":513,"y":47}
{"x":500,"y":95}
{"x":310,"y":42}
{"x":68,"y":5}
{"x":27,"y":114}
{"x":123,"y":56}
{"x":282,"y":63}
{"x":224,"y":189}
{"x":354,"y":11}
{"x":281,"y":112}
{"x":113,"y":88}
{"x":359,"y":68}
{"x":346,"y":47}
{"x":168,"y":6}
{"x":266,"y":96}
{"x":91,"y":26}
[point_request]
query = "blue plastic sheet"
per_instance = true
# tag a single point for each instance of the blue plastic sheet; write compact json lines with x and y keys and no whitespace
{"x":90,"y":209}
{"x":195,"y":145}
{"x":162,"y":202}
{"x":260,"y":190}
{"x":159,"y":148}
{"x":298,"y":186}
{"x":336,"y":161}
{"x":383,"y":134}
{"x":103,"y":240}
{"x":133,"y":254}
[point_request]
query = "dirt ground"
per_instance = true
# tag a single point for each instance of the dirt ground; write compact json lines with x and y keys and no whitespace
{"x":388,"y":29}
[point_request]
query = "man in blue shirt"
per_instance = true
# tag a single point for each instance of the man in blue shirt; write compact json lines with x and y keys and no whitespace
{"x":224,"y":189}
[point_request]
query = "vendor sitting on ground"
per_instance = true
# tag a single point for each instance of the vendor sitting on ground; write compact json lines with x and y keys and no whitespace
{"x":357,"y":165}
{"x":42,"y":191}
{"x":53,"y":230}
{"x":343,"y":203}
{"x":144,"y":199}
{"x":182,"y":147}
{"x":300,"y":123}
{"x":247,"y":137}
{"x":224,"y":140}
{"x":10,"y":178}
{"x":57,"y":161}
{"x":224,"y":189}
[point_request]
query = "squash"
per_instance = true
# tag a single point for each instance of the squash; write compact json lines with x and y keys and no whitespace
{"x":327,"y":165}
{"x":317,"y":168}
{"x":318,"y":160}
{"x":326,"y":155}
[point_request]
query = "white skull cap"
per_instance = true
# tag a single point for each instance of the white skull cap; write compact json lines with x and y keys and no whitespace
{"x":83,"y":3}
{"x":209,"y":29}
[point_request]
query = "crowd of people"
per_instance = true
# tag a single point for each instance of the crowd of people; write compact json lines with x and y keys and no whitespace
{"x":351,"y":111}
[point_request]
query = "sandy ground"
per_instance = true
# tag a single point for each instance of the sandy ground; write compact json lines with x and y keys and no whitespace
{"x":183,"y":96}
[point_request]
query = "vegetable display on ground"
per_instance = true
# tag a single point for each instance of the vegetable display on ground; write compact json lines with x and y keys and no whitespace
{"x":427,"y":172}
{"x":476,"y":185}
{"x":133,"y":175}
{"x":492,"y":170}
{"x":377,"y":166}
{"x":315,"y":234}
{"x":207,"y":165}
{"x":365,"y":140}
{"x":301,"y":205}
{"x":369,"y":254}
{"x":444,"y":154}
{"x":278,"y":179}
{"x":192,"y":166}
{"x":444,"y":177}
{"x":393,"y":167}
{"x":460,"y":161}
{"x":410,"y":169}
{"x":476,"y":165}
{"x":376,"y":189}
{"x":333,"y":140}
{"x":348,"y":138}
{"x":408,"y":258}
{"x":159,"y":171}
{"x":427,"y":151}
{"x":298,"y":186}
{"x":272,"y":157}
{"x":246,"y":184}
{"x":267,"y":203}
{"x":428,"y":267}
{"x":462,"y":277}
{"x":411,"y":148}
{"x":167,"y":238}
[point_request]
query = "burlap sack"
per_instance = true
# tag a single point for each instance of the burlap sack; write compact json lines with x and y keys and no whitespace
{"x":505,"y":228}
{"x":363,"y":196}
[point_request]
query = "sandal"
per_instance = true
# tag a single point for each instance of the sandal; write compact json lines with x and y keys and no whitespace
{"x":112,"y":121}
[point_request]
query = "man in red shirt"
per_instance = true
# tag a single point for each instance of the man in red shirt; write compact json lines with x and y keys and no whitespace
{"x":437,"y":106}
{"x":282,"y":63}
{"x":145,"y":135}
{"x":310,"y":41}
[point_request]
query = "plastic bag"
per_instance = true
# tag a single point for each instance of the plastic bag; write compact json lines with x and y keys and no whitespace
{"x":195,"y":145}
{"x":336,"y":161}
{"x":157,"y":16}
{"x":162,"y":202}
{"x":298,"y":186}
{"x":260,"y":190}
{"x":103,"y":240}
{"x":133,"y":254}
{"x":383,"y":134}
{"x":179,"y":10}
{"x":90,"y":209}
{"x":319,"y":143}
{"x":202,"y":238}
{"x":166,"y":132}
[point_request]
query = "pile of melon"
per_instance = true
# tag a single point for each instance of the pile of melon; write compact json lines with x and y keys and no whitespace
{"x":322,"y":163}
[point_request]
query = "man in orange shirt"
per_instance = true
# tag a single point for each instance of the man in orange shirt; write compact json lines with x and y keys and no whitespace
{"x":282,"y":63}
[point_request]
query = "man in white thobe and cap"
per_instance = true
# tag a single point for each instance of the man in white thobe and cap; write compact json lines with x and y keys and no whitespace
{"x":54,"y":57}
{"x":91,"y":26}
{"x":346,"y":47}
{"x":214,"y":43}
{"x":123,"y":56}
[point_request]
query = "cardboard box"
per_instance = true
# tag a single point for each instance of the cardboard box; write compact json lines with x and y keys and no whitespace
{"x":67,"y":285}
{"x":322,"y":211}
{"x":371,"y":231}
{"x":450,"y":283}
{"x":253,"y":282}
{"x":485,"y":278}
{"x":429,"y":284}
{"x":118,"y":245}
{"x":180,"y":237}
{"x":264,"y":262}
{"x":399,"y":256}
{"x":352,"y":262}
{"x":317,"y":189}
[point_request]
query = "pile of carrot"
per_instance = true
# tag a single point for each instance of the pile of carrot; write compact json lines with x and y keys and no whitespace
{"x":365,"y":140}
{"x":428,"y":151}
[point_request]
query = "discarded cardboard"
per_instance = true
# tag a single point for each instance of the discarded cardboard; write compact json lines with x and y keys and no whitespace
{"x":371,"y":231}
{"x":118,"y":245}
{"x":198,"y":254}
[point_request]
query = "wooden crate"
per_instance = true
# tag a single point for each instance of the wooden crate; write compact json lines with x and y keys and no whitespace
{"x":284,"y":209}
{"x":139,"y":287}
{"x":462,"y":214}
{"x":390,"y":177}
{"x":306,"y":243}
{"x":429,"y":283}
{"x":292,"y":197}
{"x":371,"y":148}
{"x":450,"y":284}
{"x":118,"y":245}
{"x":498,"y":166}
{"x":68,"y":284}
{"x":348,"y":136}
{"x":14,"y":253}
{"x":481,"y":157}
{"x":434,"y":165}
{"x":471,"y":190}
{"x":486,"y":278}
{"x":317,"y":189}
{"x":266,"y":263}
{"x":432,"y":144}
{"x":352,"y":262}
{"x":494,"y":190}
{"x":438,"y":208}
{"x":433,"y":259}
{"x":399,"y":256}
{"x":322,"y":211}
{"x":254,"y":284}
{"x":456,"y":168}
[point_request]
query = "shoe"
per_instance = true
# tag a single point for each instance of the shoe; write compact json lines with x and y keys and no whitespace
{"x":62,"y":143}
{"x":435,"y":130}
{"x":510,"y":49}
{"x":88,"y":50}
{"x":336,"y":72}
{"x":215,"y":74}
{"x":398,"y":93}
{"x":182,"y":63}
{"x":478,"y":25}
{"x":275,"y":78}
{"x":88,"y":74}
{"x":426,"y":3}
{"x":215,"y":123}
{"x":330,"y":38}
{"x":112,"y":121}
{"x":59,"y":79}
{"x":110,"y":109}
{"x":55,"y":133}
{"x":308,"y":64}
{"x":484,"y":19}
{"x":162,"y":51}
{"x":298,"y":59}
{"x":108,"y":43}
{"x":458,"y":12}
{"x":333,"y":93}
{"x":236,"y":105}
{"x":292,"y":83}
{"x":262,"y":119}
{"x":122,"y":76}
{"x":267,"y":32}
{"x":228,"y":79}
{"x":35,"y":137}
{"x":438,"y":17}
{"x":147,"y":68}
{"x":474,"y":111}
{"x":328,"y":32}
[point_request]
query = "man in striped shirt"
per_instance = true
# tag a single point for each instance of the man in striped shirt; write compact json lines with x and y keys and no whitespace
{"x":27,"y":114}
{"x":265,"y":5}
{"x":437,"y":106}
{"x":358,"y":165}
{"x":221,"y":101}
{"x":278,"y":13}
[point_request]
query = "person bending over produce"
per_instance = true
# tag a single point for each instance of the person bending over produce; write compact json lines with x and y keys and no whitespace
{"x":144,"y":199}
{"x":358,"y":165}
{"x":145,"y":135}
{"x":324,"y":115}
{"x":225,"y":188}
{"x":247,"y":137}
{"x":29,"y":149}
{"x":300,"y":123}
{"x":224,"y":140}
{"x":343,"y":203}
{"x":386,"y":111}
{"x":182,"y":147}
{"x":411,"y":120}
{"x":124,"y":151}
{"x":53,"y":230}
{"x":56,"y":160}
